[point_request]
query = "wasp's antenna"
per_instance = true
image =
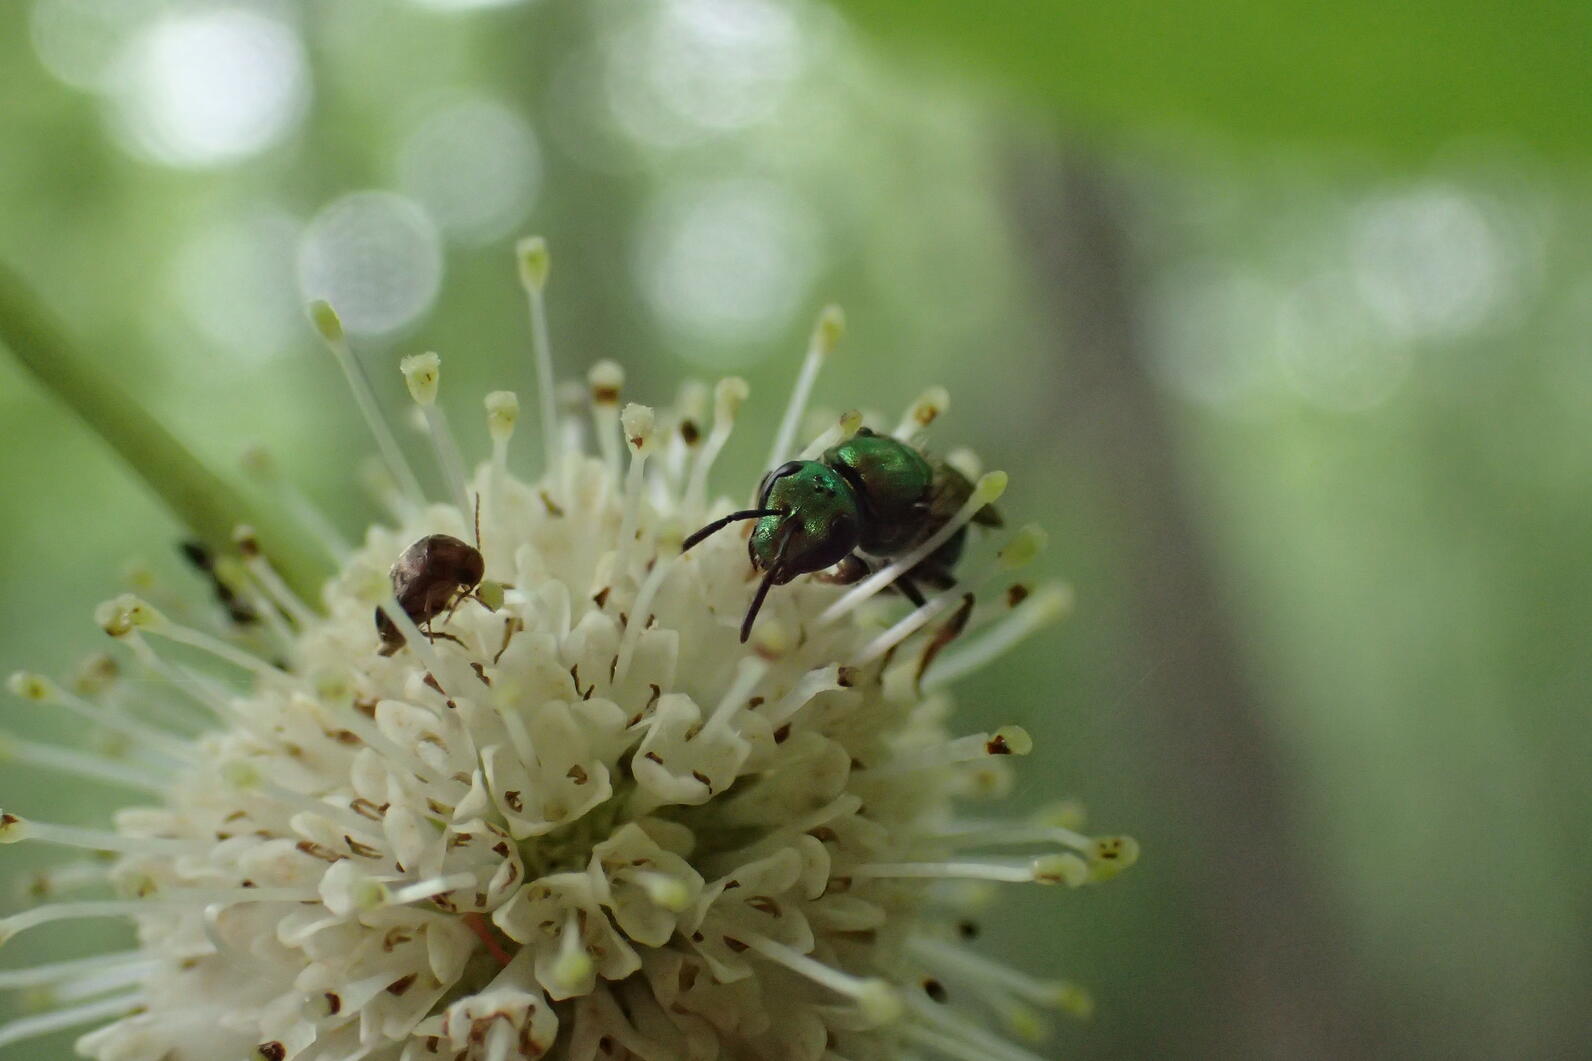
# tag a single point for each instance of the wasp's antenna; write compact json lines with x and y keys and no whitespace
{"x":719,"y":524}
{"x":785,"y":532}
{"x":757,"y":602}
{"x":478,"y":519}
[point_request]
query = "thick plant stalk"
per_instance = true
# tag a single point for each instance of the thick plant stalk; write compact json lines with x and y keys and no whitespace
{"x":210,"y":507}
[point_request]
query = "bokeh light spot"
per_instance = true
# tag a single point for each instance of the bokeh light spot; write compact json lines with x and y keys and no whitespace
{"x":693,"y":68}
{"x":475,"y":166}
{"x":234,"y":282}
{"x":210,"y":86}
{"x":376,"y":257}
{"x":1212,"y":331}
{"x":1336,"y":355}
{"x":78,"y":40}
{"x":463,"y":5}
{"x":725,"y":262}
{"x":1429,"y":262}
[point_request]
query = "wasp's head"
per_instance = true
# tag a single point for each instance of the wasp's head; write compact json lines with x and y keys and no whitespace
{"x":815,"y":521}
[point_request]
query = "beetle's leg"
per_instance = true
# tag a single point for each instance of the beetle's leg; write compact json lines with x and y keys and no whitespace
{"x":432,"y":635}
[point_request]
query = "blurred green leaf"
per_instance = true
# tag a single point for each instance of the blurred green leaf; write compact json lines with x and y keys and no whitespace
{"x":1396,"y":80}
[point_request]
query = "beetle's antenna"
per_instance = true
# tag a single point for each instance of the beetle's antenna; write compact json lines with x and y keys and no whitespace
{"x":719,"y":524}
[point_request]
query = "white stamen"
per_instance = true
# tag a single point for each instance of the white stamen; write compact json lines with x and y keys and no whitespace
{"x":1047,"y":869}
{"x":845,"y":428}
{"x":258,"y":463}
{"x":263,"y":573}
{"x":218,"y":648}
{"x":1008,"y":740}
{"x":41,"y":690}
{"x":728,"y":396}
{"x":81,"y":763}
{"x":184,"y":899}
{"x":1043,"y":608}
{"x":826,"y":334}
{"x":670,"y":893}
{"x":879,"y":1001}
{"x":64,"y":877}
{"x":809,"y":686}
{"x":574,"y":964}
{"x":14,"y":830}
{"x":423,"y":376}
{"x":638,"y":613}
{"x":100,"y":981}
{"x":502,"y":411}
{"x":606,"y":379}
{"x":748,"y":673}
{"x":1051,"y":994}
{"x":638,"y":423}
{"x":1001,"y":834}
{"x":839,"y":807}
{"x":534,"y":262}
{"x":427,"y":888}
{"x":331,"y":331}
{"x":55,"y":972}
{"x":32,"y":1027}
{"x":956,"y":1037}
{"x":988,"y":489}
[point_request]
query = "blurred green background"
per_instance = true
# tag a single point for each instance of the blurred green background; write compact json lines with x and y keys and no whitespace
{"x":1279,"y":317}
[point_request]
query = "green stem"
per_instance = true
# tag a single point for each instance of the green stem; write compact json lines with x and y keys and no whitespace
{"x":209,"y":506}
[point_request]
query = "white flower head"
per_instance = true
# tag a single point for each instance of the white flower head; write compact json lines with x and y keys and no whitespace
{"x":516,"y":788}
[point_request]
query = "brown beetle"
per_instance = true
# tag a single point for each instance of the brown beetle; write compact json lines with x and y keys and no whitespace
{"x":432,"y":576}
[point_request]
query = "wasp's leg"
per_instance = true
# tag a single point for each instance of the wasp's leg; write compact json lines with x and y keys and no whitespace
{"x":949,"y":631}
{"x":909,"y":589}
{"x":852,"y":569}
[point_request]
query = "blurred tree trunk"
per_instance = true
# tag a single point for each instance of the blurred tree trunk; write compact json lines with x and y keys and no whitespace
{"x":1273,"y":966}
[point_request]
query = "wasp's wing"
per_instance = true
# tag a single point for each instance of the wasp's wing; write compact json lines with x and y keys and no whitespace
{"x":950,"y":492}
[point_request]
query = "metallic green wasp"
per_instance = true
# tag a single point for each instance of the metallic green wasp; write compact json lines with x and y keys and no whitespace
{"x":871,"y":497}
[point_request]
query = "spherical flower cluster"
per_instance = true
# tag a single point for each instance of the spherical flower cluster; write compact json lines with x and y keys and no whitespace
{"x":557,"y":809}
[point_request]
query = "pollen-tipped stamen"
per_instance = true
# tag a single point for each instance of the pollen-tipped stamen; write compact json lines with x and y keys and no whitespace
{"x":879,"y":1001}
{"x":534,"y":264}
{"x":825,"y":336}
{"x":502,"y":412}
{"x":330,"y":328}
{"x":845,"y":428}
{"x":15,"y":830}
{"x":639,"y":423}
{"x":927,"y":408}
{"x":423,"y":376}
{"x":606,"y":382}
{"x":41,"y":690}
{"x":728,"y":396}
{"x":1008,"y":740}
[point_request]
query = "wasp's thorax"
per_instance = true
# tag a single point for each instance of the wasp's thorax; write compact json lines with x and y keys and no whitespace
{"x":892,"y":481}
